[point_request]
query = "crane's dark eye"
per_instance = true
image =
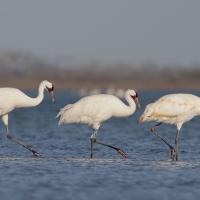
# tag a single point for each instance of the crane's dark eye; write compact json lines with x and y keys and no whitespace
{"x":50,"y":89}
{"x":133,"y":97}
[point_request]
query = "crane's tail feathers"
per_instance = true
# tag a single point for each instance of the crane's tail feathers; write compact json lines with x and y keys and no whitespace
{"x":62,"y":111}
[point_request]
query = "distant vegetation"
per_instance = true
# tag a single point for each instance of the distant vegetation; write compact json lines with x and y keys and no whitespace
{"x":25,"y":70}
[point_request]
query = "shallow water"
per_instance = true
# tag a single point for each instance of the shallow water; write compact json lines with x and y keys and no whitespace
{"x":64,"y":171}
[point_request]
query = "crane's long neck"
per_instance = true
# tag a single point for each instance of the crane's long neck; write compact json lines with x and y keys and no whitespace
{"x":127,"y":110}
{"x":31,"y":102}
{"x":132,"y":106}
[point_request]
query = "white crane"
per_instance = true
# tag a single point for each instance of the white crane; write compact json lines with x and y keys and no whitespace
{"x":95,"y":109}
{"x":11,"y":98}
{"x":172,"y":109}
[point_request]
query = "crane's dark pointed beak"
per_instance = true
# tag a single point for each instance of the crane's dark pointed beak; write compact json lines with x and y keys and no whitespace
{"x":52,"y":96}
{"x":137,"y":102}
{"x":50,"y":90}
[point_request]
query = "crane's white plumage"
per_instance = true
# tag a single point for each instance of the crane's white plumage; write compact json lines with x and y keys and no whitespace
{"x":173,"y":109}
{"x":11,"y":98}
{"x":93,"y":110}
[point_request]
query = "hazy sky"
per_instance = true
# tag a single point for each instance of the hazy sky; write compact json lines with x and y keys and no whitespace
{"x":165,"y":31}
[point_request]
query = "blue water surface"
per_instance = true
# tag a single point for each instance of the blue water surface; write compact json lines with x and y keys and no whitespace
{"x":65,"y":171}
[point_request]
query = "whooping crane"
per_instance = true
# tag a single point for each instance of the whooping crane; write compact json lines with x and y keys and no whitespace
{"x":11,"y":98}
{"x":172,"y":109}
{"x":95,"y":109}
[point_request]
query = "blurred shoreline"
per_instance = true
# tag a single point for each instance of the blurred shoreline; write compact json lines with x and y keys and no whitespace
{"x":77,"y":84}
{"x":25,"y":71}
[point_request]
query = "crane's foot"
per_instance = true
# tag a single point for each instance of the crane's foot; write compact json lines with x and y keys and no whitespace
{"x":172,"y":154}
{"x":35,"y":153}
{"x":122,"y":153}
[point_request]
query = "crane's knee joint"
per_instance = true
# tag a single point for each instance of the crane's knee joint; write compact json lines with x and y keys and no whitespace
{"x":93,"y":140}
{"x":9,"y":136}
{"x":152,"y":129}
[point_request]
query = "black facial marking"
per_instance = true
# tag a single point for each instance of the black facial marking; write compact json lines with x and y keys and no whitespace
{"x":51,"y":89}
{"x":135,"y":96}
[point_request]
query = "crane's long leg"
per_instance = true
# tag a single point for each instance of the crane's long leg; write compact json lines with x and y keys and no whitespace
{"x":119,"y":151}
{"x":177,"y":144}
{"x":171,"y":148}
{"x":94,"y":140}
{"x":91,"y":148}
{"x":15,"y":140}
